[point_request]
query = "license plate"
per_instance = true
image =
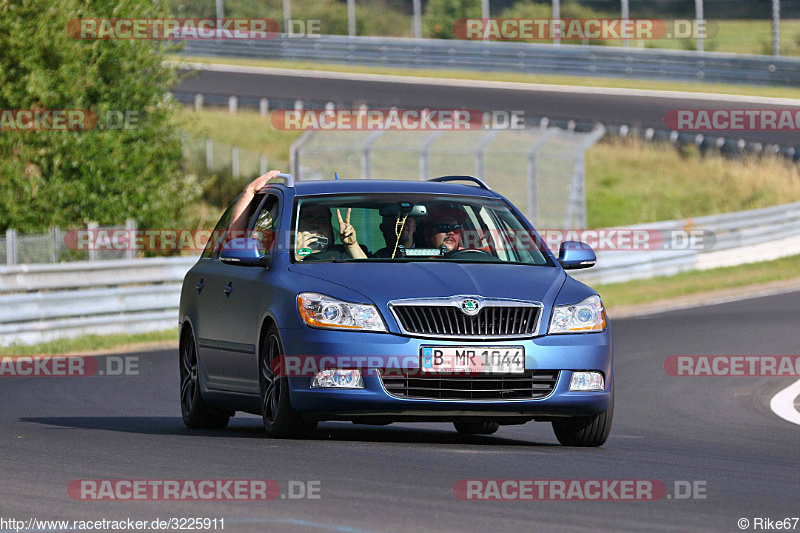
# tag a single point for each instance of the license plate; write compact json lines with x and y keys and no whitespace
{"x":473,"y":359}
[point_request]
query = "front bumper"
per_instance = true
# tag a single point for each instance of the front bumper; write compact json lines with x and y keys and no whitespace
{"x":564,"y":353}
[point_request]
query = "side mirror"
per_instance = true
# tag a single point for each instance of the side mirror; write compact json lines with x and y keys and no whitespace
{"x":574,"y":255}
{"x":244,"y":251}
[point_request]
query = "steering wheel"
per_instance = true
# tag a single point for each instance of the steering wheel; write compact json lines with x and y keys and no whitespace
{"x":468,"y":251}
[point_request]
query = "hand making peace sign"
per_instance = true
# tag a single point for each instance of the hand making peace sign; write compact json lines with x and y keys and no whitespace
{"x":347,"y":233}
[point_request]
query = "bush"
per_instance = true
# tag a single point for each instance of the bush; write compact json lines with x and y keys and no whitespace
{"x":527,"y":9}
{"x":440,"y":15}
{"x":105,"y":175}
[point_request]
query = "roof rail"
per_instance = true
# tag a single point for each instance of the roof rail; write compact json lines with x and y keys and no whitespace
{"x":473,"y":179}
{"x":287,"y":178}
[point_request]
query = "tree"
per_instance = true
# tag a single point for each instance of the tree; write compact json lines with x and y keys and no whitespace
{"x":440,"y":15}
{"x":69,"y":178}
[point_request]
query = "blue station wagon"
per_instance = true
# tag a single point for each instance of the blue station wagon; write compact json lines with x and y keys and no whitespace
{"x":378,"y":301}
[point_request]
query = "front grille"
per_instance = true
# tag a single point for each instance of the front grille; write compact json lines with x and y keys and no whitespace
{"x":448,"y":320}
{"x":527,"y":386}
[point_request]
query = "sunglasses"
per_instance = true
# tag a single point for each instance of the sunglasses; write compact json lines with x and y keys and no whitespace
{"x":446,"y":228}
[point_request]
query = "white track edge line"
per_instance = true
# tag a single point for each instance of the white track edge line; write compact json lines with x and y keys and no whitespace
{"x":782,"y":404}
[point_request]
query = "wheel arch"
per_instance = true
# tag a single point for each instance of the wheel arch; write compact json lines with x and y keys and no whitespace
{"x":266,"y":322}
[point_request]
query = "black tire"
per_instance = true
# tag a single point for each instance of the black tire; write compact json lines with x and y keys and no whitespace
{"x":476,"y":427}
{"x":585,"y":430}
{"x":196,"y":413}
{"x":281,"y":421}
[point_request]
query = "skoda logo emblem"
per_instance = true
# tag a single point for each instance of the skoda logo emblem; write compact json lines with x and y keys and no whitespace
{"x":470,"y":306}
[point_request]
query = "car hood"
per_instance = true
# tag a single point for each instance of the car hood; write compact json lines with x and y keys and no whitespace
{"x":382,"y":282}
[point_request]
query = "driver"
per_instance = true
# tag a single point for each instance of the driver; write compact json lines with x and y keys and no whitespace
{"x":444,"y":230}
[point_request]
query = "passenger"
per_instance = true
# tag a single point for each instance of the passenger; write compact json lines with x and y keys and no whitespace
{"x":239,"y":214}
{"x":315,"y":222}
{"x":389,"y":227}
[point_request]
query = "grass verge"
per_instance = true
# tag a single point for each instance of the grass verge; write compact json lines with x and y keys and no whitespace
{"x":93,"y":343}
{"x":669,"y":288}
{"x":553,"y":79}
{"x":633,"y":182}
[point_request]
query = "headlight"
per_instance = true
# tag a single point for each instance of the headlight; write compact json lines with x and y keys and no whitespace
{"x":322,"y":311}
{"x":582,"y":317}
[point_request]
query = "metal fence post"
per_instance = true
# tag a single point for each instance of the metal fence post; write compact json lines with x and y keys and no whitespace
{"x":11,"y":246}
{"x":484,"y":9}
{"x":424,"y":150}
{"x":480,"y":149}
{"x":294,"y":152}
{"x":220,"y":12}
{"x":130,"y":229}
{"x":233,"y":104}
{"x":198,"y":102}
{"x":557,"y":15}
{"x":351,"y":18}
{"x":54,"y":257}
{"x":209,"y":154}
{"x":92,"y":227}
{"x":776,"y":27}
{"x":626,"y":41}
{"x":366,"y":154}
{"x":532,"y":153}
{"x":417,"y":19}
{"x":698,"y":16}
{"x":576,"y":207}
{"x":263,"y":106}
{"x":287,"y":16}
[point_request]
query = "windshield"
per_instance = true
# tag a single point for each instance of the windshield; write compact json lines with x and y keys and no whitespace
{"x":412,"y":227}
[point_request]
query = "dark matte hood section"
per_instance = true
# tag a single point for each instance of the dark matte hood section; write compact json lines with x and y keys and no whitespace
{"x":383,"y":282}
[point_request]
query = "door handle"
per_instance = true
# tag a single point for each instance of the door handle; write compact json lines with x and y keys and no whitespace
{"x":228,"y":290}
{"x":199,"y":286}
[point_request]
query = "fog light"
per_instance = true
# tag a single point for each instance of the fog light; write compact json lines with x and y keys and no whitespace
{"x":587,"y":381}
{"x":338,"y":379}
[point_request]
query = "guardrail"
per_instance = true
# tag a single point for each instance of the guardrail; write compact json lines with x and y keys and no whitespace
{"x":739,"y":238}
{"x":39,"y":303}
{"x":574,"y":60}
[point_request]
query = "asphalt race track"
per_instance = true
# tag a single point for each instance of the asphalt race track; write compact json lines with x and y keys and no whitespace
{"x":400,"y":478}
{"x":642,"y":111}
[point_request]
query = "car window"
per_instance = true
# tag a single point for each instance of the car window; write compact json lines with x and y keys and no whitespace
{"x":214,"y":239}
{"x":264,"y":223}
{"x":431,"y":227}
{"x":221,"y":233}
